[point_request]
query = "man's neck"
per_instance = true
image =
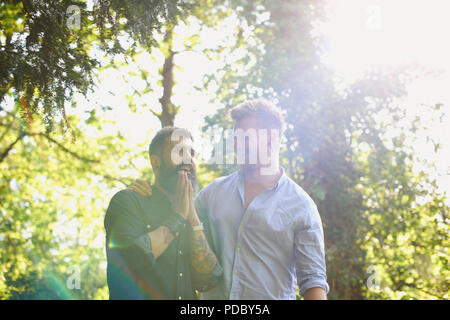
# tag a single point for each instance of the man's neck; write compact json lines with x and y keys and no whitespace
{"x":254,"y":176}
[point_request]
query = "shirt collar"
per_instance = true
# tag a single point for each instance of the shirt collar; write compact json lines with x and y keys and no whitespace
{"x":162,"y":193}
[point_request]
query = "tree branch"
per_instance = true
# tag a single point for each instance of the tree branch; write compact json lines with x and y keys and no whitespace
{"x":8,"y":149}
{"x":76,"y":155}
{"x":72,"y":153}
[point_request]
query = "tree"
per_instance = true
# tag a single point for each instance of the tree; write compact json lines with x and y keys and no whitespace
{"x":381,"y":216}
{"x":205,"y":16}
{"x":325,"y":128}
{"x":47,"y":52}
{"x":54,"y":193}
{"x":53,"y":198}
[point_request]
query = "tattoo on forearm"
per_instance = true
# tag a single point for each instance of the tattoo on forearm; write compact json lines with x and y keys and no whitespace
{"x":204,"y":281}
{"x":203,"y":262}
{"x":203,"y":259}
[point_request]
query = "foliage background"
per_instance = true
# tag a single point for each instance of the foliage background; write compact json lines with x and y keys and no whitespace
{"x":67,"y":143}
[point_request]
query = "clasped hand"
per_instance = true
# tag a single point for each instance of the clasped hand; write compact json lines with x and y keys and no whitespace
{"x":182,"y":203}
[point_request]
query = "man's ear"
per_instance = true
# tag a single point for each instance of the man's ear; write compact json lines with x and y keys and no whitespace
{"x":155,"y":161}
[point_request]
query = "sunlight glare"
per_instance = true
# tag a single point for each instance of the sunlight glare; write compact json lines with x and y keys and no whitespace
{"x":365,"y":34}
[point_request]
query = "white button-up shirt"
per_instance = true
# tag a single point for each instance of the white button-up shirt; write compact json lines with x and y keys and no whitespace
{"x":268,"y":248}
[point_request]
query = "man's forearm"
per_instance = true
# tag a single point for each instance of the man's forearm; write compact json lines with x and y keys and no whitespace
{"x":160,"y":239}
{"x":202,"y":258}
{"x":316,"y":293}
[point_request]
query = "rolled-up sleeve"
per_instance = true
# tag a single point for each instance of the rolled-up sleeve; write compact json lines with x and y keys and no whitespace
{"x":123,"y":232}
{"x":310,"y":252}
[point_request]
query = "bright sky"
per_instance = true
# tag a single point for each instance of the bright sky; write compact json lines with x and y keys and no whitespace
{"x":362,"y":34}
{"x":381,"y":34}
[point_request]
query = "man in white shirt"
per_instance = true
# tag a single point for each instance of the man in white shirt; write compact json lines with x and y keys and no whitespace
{"x":264,"y":229}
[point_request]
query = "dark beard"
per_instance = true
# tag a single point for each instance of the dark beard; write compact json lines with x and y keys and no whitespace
{"x":169,"y":177}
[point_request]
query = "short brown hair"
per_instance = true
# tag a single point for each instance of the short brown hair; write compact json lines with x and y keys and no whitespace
{"x":261,"y":109}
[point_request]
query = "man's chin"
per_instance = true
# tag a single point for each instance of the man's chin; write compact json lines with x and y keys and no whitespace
{"x":250,"y":167}
{"x":259,"y":169}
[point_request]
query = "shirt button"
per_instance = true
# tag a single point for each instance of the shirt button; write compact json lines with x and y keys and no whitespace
{"x":179,"y":298}
{"x":148,"y":226}
{"x":181,"y":274}
{"x":180,"y":251}
{"x":176,"y":234}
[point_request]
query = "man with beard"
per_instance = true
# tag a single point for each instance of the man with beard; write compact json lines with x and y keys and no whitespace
{"x":155,"y":246}
{"x":264,"y":228}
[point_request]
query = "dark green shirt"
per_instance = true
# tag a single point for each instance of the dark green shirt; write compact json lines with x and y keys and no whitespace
{"x":132,"y":270}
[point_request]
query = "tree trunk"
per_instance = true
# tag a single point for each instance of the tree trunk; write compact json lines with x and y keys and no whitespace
{"x":169,"y":111}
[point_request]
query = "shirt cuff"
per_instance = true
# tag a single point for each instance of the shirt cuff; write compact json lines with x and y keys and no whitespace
{"x":312,"y":283}
{"x":176,"y":224}
{"x":145,"y":244}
